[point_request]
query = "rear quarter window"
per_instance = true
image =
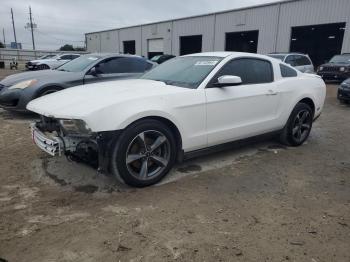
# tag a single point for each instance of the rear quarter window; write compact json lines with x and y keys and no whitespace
{"x":287,"y":71}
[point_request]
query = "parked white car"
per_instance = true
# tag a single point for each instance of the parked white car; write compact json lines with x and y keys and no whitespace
{"x":52,"y":62}
{"x":137,"y":129}
{"x":299,"y":61}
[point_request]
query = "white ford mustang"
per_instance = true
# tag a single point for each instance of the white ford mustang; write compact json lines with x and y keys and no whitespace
{"x":137,"y":129}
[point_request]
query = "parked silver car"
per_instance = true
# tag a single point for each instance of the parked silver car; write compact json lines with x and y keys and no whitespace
{"x":51,"y":62}
{"x":302,"y":62}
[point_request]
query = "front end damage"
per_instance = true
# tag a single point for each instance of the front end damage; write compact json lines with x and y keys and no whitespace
{"x":57,"y":138}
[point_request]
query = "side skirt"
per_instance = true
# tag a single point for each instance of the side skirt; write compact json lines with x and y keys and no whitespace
{"x":231,"y":145}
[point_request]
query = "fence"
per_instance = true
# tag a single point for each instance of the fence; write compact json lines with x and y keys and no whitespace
{"x":23,"y":55}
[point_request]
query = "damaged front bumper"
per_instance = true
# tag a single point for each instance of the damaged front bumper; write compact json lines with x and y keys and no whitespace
{"x":53,"y":146}
{"x":93,"y":150}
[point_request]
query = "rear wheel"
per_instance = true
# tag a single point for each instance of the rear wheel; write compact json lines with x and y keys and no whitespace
{"x":144,"y":153}
{"x":298,"y":127}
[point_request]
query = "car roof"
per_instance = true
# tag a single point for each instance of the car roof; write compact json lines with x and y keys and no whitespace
{"x":68,"y":54}
{"x":230,"y":54}
{"x":287,"y":53}
{"x":106,"y":55}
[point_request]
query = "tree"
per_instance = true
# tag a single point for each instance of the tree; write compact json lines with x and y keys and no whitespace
{"x":2,"y":45}
{"x":67,"y":47}
{"x":79,"y":48}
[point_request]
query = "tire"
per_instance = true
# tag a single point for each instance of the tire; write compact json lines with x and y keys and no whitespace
{"x":43,"y":67}
{"x":144,"y":153}
{"x":298,"y":127}
{"x":342,"y":101}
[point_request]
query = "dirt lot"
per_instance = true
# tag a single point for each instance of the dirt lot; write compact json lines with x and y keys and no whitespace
{"x":262,"y":202}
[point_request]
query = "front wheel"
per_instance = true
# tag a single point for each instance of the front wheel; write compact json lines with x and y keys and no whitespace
{"x":298,"y":127}
{"x":144,"y":153}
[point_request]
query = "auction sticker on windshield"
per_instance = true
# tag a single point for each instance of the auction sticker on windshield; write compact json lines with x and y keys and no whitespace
{"x":206,"y":63}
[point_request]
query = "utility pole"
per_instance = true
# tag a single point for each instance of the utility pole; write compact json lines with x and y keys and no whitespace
{"x":14,"y":29}
{"x":31,"y":26}
{"x":3,"y":33}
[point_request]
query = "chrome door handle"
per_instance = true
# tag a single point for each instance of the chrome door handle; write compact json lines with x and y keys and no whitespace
{"x":271,"y":93}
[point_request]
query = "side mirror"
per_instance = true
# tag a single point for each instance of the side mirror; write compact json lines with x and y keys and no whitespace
{"x":93,"y":72}
{"x":228,"y":81}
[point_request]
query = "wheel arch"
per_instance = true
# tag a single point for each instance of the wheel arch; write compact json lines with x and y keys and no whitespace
{"x":309,"y":102}
{"x":45,"y":88}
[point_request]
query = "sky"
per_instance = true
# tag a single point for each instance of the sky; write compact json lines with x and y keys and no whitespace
{"x":66,"y":21}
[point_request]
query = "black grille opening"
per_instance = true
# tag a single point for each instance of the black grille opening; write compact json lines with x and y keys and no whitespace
{"x":11,"y":103}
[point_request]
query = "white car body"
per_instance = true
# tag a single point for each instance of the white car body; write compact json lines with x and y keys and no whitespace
{"x":203,"y":116}
{"x":116,"y":116}
{"x":54,"y":62}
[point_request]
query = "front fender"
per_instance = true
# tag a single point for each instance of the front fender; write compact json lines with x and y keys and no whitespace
{"x":151,"y":113}
{"x":124,"y":117}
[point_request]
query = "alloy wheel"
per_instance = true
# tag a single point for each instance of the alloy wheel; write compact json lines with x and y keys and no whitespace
{"x":148,"y":155}
{"x":302,"y":125}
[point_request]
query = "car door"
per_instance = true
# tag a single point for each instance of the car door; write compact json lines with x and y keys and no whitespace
{"x":241,"y":111}
{"x":118,"y":68}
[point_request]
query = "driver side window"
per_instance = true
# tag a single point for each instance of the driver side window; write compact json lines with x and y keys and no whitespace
{"x":122,"y":65}
{"x":250,"y":70}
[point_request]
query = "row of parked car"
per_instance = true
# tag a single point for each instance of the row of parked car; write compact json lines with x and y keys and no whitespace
{"x":137,"y":127}
{"x":54,"y":61}
{"x":74,"y":69}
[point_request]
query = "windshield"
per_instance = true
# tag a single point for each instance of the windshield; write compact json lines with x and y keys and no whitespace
{"x":340,"y":59}
{"x":279,"y":57}
{"x":186,"y":72}
{"x":79,"y":64}
{"x":155,"y":58}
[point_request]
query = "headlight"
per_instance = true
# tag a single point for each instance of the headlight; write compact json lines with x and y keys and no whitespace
{"x":345,"y":86}
{"x":24,"y":84}
{"x":320,"y":68}
{"x":342,"y":69}
{"x":75,"y":126}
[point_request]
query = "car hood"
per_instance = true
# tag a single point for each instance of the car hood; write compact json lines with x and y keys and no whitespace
{"x":81,"y":101}
{"x":50,"y":76}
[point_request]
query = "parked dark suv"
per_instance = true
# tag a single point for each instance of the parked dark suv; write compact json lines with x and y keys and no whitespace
{"x":338,"y":68}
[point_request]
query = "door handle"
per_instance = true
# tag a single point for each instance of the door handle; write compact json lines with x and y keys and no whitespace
{"x":271,"y":93}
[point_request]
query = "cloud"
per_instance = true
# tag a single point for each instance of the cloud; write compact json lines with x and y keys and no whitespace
{"x":66,"y":21}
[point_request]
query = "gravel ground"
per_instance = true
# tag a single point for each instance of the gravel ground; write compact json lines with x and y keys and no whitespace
{"x":262,"y":202}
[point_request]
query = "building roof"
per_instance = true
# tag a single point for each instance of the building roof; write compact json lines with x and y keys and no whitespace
{"x":200,"y":15}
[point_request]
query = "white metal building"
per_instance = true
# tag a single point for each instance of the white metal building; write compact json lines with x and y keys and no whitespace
{"x":317,"y":27}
